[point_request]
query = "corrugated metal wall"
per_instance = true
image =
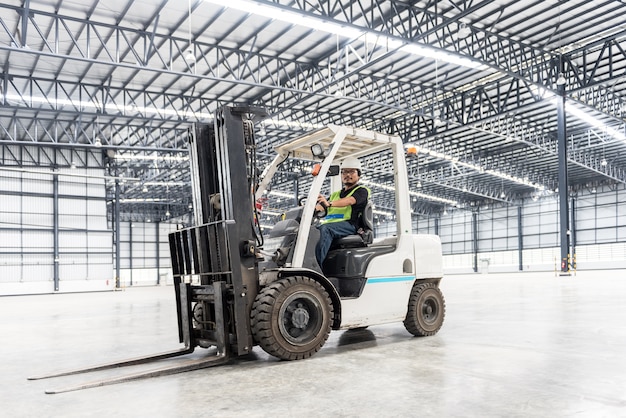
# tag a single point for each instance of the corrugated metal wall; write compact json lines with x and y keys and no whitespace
{"x":600,"y":233}
{"x":27,"y":231}
{"x":145,"y":254}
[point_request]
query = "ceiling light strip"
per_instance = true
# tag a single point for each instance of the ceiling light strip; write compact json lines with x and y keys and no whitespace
{"x":346,"y":30}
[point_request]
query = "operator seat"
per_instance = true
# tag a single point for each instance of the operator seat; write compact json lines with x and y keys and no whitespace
{"x":365,"y":232}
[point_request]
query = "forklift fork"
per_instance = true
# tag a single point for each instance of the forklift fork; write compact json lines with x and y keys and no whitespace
{"x":221,"y":357}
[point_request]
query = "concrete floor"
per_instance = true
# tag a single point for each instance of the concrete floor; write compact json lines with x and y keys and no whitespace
{"x":516,"y":345}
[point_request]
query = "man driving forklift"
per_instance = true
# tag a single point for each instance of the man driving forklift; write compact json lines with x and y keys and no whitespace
{"x":344,"y":208}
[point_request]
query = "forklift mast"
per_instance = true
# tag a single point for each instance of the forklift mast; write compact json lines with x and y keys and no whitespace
{"x":213,"y":263}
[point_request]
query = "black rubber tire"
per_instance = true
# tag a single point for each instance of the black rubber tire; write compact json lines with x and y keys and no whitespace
{"x":291,"y":318}
{"x":427,"y":309}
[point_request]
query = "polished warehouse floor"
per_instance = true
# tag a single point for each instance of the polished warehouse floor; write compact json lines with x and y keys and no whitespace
{"x":516,"y":345}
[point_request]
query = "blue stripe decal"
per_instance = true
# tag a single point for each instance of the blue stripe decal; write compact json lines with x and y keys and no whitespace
{"x":391,"y":279}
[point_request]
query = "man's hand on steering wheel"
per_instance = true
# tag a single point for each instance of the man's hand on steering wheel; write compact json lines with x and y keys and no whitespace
{"x":321,"y":208}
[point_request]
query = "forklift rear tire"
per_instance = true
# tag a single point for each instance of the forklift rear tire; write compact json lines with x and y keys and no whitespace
{"x":427,"y":309}
{"x":291,"y":318}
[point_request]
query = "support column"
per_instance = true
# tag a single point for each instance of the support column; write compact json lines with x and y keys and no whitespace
{"x":55,"y":229}
{"x":130,"y":249}
{"x":573,"y":235}
{"x":563,"y":189}
{"x":158,"y":252}
{"x":475,"y":239}
{"x":116,"y":217}
{"x":520,"y":239}
{"x":296,"y":189}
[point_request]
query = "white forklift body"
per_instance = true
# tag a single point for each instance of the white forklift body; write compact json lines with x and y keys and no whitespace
{"x":231,"y":298}
{"x":407,"y":257}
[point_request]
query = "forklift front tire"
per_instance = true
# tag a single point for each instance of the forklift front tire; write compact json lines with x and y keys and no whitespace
{"x":291,"y":318}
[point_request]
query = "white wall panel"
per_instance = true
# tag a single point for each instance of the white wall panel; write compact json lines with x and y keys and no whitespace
{"x":500,"y":228}
{"x":585,"y":236}
{"x":99,"y":240}
{"x":10,"y":219}
{"x":75,"y":271}
{"x":72,"y":241}
{"x":67,"y":221}
{"x":607,"y":222}
{"x":10,"y":269}
{"x":37,"y":267}
{"x":125,"y":248}
{"x":531,"y":241}
{"x":37,"y":183}
{"x":37,"y":204}
{"x":11,"y":203}
{"x":458,"y":247}
{"x":531,"y":226}
{"x":605,"y":199}
{"x":72,"y":206}
{"x":10,"y":239}
{"x":37,"y":220}
{"x":499,"y":244}
{"x":37,"y":241}
{"x":73,"y":186}
{"x":27,"y":222}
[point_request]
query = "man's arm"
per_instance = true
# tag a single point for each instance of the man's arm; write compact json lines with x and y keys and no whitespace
{"x":339,"y":203}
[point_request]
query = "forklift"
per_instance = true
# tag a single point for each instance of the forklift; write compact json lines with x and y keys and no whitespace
{"x":236,"y":288}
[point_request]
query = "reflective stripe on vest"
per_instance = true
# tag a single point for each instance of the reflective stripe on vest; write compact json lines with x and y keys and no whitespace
{"x":340,"y":214}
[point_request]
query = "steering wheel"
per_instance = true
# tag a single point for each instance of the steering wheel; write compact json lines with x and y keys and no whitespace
{"x":321,"y":213}
{"x":317,"y":214}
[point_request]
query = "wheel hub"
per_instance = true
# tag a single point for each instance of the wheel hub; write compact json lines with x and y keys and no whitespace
{"x":429,"y":310}
{"x":300,"y":317}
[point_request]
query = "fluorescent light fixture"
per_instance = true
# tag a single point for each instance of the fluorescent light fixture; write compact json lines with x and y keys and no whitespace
{"x":165,"y":183}
{"x":108,"y":108}
{"x":381,"y":212}
{"x":455,"y":160}
{"x":281,"y":194}
{"x":434,"y":198}
{"x":417,"y":194}
{"x":583,"y":115}
{"x":345,"y":30}
{"x":130,"y":157}
{"x":291,"y":124}
{"x":289,"y":16}
{"x":137,"y":200}
{"x":430,"y":52}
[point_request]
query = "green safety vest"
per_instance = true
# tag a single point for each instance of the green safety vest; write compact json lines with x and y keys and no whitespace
{"x":341,"y":214}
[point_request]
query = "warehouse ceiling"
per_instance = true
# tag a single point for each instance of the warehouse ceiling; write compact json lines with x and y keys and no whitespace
{"x":471,"y":86}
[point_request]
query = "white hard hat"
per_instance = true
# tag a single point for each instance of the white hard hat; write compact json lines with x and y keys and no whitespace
{"x":351,"y":162}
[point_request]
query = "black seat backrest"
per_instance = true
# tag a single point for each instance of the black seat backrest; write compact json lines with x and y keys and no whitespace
{"x":367,"y":223}
{"x":367,"y":218}
{"x":365,"y":231}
